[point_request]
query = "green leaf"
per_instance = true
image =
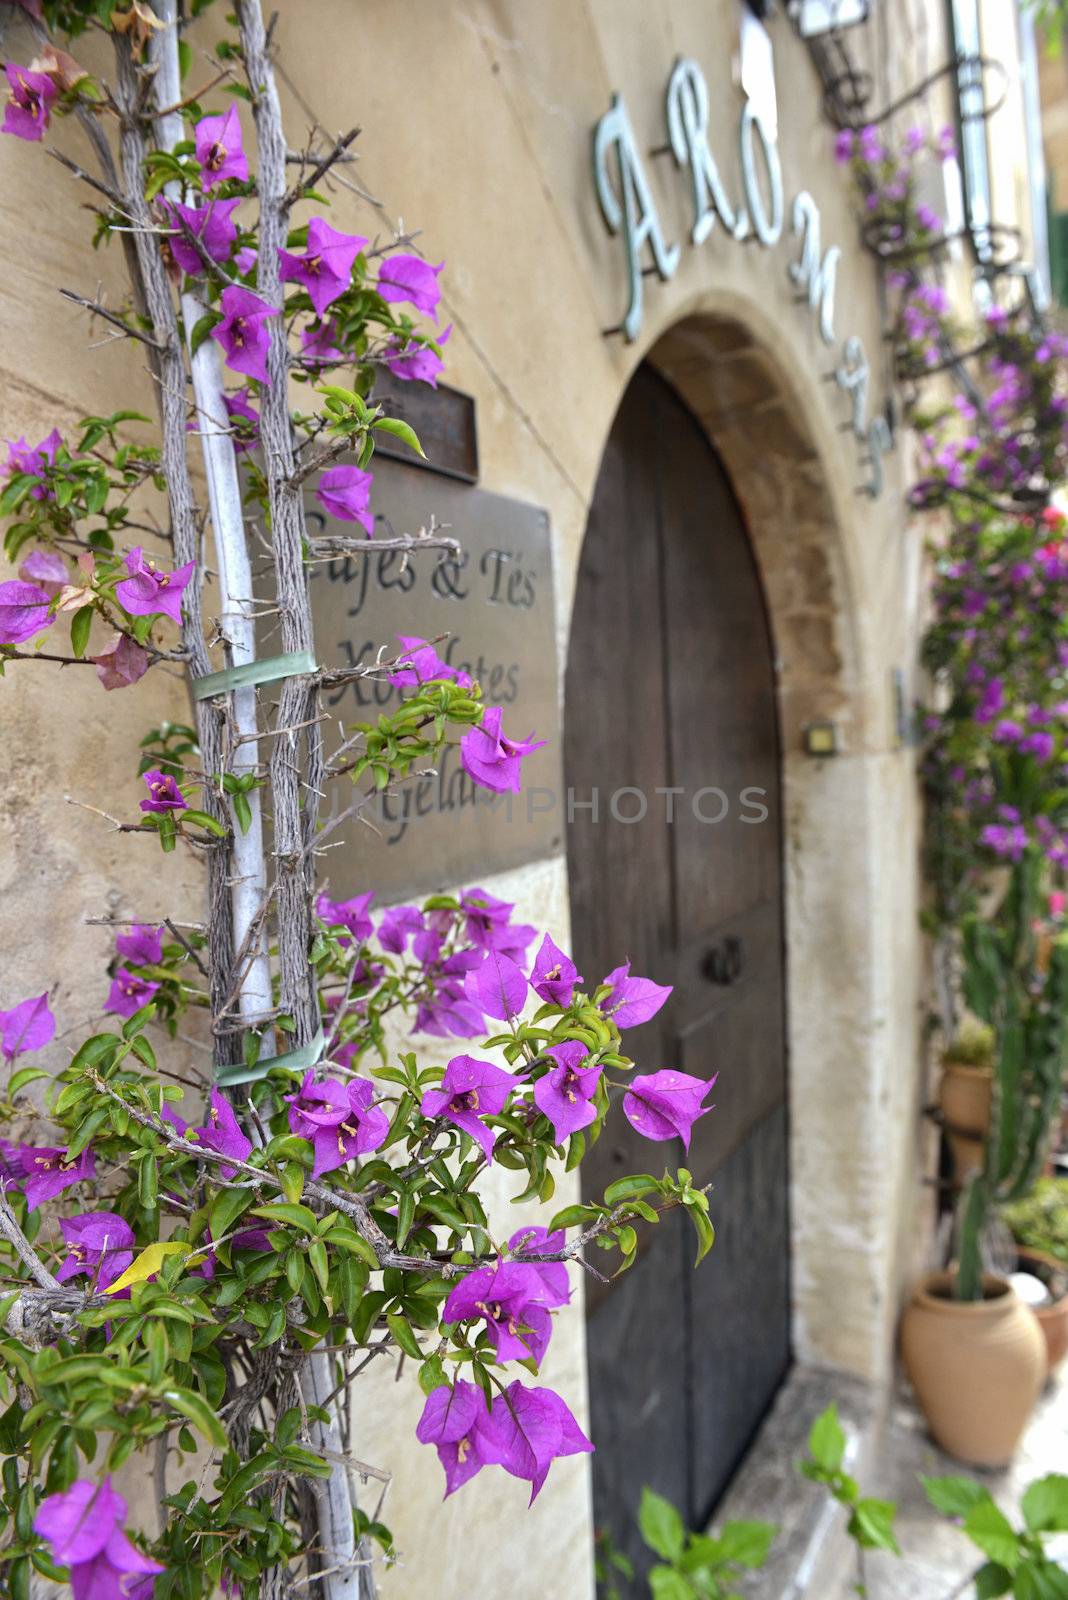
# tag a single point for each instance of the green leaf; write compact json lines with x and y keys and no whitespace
{"x":81,"y":623}
{"x":992,"y":1581}
{"x":201,"y":329}
{"x":400,"y":430}
{"x":226,"y":1209}
{"x":954,"y":1496}
{"x":872,"y":1525}
{"x":297,"y":1216}
{"x":827,"y":1441}
{"x":667,"y":1584}
{"x":1040,"y":1580}
{"x":992,"y":1531}
{"x":746,"y":1543}
{"x":661,"y":1526}
{"x":202,"y":820}
{"x":401,"y":1329}
{"x":632,"y":1188}
{"x":24,"y":1077}
{"x":199,"y":1413}
{"x":431,"y":1376}
{"x":706,"y":1234}
{"x":572,"y":1217}
{"x":1045,"y":1504}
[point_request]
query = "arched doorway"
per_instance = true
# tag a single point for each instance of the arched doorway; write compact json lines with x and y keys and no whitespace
{"x":670,"y":716}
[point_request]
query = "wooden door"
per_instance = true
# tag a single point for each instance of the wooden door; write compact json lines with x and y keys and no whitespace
{"x":670,"y":706}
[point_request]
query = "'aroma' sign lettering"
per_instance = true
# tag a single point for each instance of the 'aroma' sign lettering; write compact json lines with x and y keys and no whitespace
{"x":629,"y":209}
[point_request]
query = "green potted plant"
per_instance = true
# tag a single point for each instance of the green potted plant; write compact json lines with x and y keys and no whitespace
{"x":1039,"y":1225}
{"x":965,"y":1094}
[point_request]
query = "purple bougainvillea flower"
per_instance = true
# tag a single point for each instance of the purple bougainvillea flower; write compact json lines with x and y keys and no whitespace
{"x":220,"y":150}
{"x":122,"y":662}
{"x":316,"y":1104}
{"x":100,"y":1246}
{"x":509,"y":1300}
{"x":244,"y":420}
{"x":532,"y":1240}
{"x":34,"y":460}
{"x":420,"y":663}
{"x":325,"y":268}
{"x":46,"y":569}
{"x":412,"y":279}
{"x":565,"y":1094}
{"x":489,"y":758}
{"x":148,"y":592}
{"x":632,"y":1000}
{"x":319,"y":346}
{"x":83,"y":1526}
{"x":163,"y":792}
{"x":450,"y":1015}
{"x":143,"y":945}
{"x":665,"y":1105}
{"x":844,"y":144}
{"x":397,"y":926}
{"x":128,"y":993}
{"x":29,"y":102}
{"x":243,"y":333}
{"x":554,"y":975}
{"x":470,"y":1090}
{"x":529,"y":1430}
{"x":28,"y":1026}
{"x":487,"y":923}
{"x":23,"y":611}
{"x":201,"y":233}
{"x":497,"y":986}
{"x":351,"y":914}
{"x":345,"y":493}
{"x":245,"y":259}
{"x":222,"y":1132}
{"x":361,"y":1128}
{"x":415,"y":363}
{"x":455,"y":1420}
{"x":43,"y":1171}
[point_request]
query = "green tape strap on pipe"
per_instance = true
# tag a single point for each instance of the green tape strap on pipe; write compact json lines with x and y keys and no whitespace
{"x":294,"y":1061}
{"x":269,"y":670}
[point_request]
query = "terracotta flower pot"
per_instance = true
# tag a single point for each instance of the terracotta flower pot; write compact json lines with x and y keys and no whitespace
{"x":1052,"y":1319}
{"x":976,"y":1369}
{"x":965,"y":1097}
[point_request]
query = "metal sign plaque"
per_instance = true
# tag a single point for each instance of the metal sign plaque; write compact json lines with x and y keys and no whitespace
{"x":494,"y":602}
{"x":444,"y":420}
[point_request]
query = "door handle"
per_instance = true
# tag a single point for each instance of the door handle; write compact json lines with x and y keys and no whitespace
{"x":723,"y":963}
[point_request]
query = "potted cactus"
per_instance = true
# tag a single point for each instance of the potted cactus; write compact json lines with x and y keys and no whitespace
{"x":973,"y":1351}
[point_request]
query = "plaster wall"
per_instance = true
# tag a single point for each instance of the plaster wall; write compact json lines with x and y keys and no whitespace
{"x":476,"y":119}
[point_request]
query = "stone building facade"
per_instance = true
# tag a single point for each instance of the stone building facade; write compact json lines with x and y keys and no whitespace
{"x":477,"y":119}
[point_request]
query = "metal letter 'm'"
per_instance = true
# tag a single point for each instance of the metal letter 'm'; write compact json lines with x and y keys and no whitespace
{"x":633,"y":211}
{"x":808,"y":271}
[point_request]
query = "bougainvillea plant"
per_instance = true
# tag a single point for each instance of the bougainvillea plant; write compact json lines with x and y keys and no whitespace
{"x":199,"y":1265}
{"x":993,"y":448}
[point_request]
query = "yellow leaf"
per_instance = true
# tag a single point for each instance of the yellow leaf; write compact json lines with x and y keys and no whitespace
{"x":147,"y":1264}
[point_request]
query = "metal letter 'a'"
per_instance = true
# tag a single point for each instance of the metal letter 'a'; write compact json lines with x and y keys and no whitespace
{"x":632,"y":211}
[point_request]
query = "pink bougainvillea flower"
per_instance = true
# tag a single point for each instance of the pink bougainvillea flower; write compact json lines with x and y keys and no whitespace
{"x":410,"y":278}
{"x":533,"y":1240}
{"x":416,"y":363}
{"x":148,"y":592}
{"x":325,"y":268}
{"x":352,"y":914}
{"x":455,"y":1420}
{"x":46,"y":569}
{"x":128,"y":993}
{"x":29,"y":102}
{"x":565,"y":1094}
{"x":163,"y":793}
{"x":497,"y":986}
{"x":665,"y":1105}
{"x":509,"y":1300}
{"x":99,"y":1245}
{"x":201,"y":233}
{"x":243,"y":333}
{"x":222,"y":1133}
{"x":345,"y":493}
{"x":397,"y":926}
{"x":28,"y":1026}
{"x":419,"y":663}
{"x":43,"y":1171}
{"x":632,"y":1000}
{"x":492,"y":760}
{"x":220,"y":150}
{"x":24,"y":611}
{"x":319,"y":346}
{"x":529,"y":1430}
{"x":121,"y":662}
{"x":143,"y":945}
{"x":554,"y":975}
{"x":470,"y":1090}
{"x":83,"y":1525}
{"x":244,"y":420}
